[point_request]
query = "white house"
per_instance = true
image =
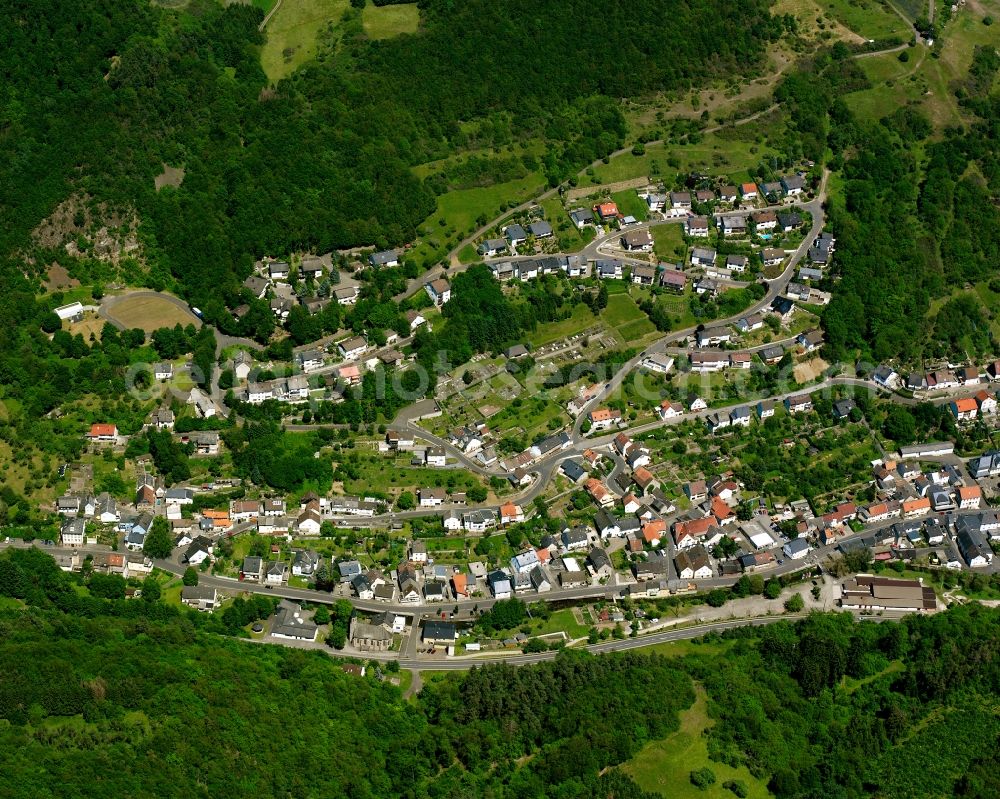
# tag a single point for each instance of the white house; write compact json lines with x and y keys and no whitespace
{"x":796,"y":549}
{"x":439,"y":291}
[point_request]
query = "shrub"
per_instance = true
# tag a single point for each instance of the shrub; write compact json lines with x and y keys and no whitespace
{"x":703,"y":778}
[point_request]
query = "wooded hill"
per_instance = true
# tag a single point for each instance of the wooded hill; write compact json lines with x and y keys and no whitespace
{"x":106,"y":696}
{"x":100,"y":94}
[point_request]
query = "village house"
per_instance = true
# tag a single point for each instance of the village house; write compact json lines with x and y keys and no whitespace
{"x":603,"y":418}
{"x":765,"y":221}
{"x":696,"y":226}
{"x":693,"y":564}
{"x":733,"y":226}
{"x":439,"y":291}
{"x":965,"y":409}
{"x":670,"y":410}
{"x":348,"y":295}
{"x":492,"y":247}
{"x":637,"y":240}
{"x":582,"y":217}
{"x":799,"y":403}
{"x":728,"y":194}
{"x":701,"y":256}
{"x":643,"y":275}
{"x":771,"y":256}
{"x":606,"y":211}
{"x":352,"y":348}
{"x":200,"y":597}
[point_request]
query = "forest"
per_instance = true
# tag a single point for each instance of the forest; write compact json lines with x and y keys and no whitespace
{"x":911,"y":231}
{"x":321,"y":161}
{"x":108,"y":696}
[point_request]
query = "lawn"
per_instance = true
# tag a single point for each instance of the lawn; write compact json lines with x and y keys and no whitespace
{"x":631,"y":204}
{"x":668,"y":242}
{"x":292,"y":34}
{"x":664,"y":766}
{"x":385,"y":22}
{"x":468,"y":254}
{"x":560,"y":621}
{"x":460,"y":208}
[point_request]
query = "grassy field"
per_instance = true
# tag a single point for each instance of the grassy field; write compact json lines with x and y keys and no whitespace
{"x":668,"y":242}
{"x":581,"y":319}
{"x":570,"y":239}
{"x":925,"y":81}
{"x":870,"y":19}
{"x":389,"y":21}
{"x":461,"y":207}
{"x":561,"y":621}
{"x":385,"y":476}
{"x":625,"y":317}
{"x":621,"y":310}
{"x":631,"y":204}
{"x":292,"y":34}
{"x":711,"y":155}
{"x":663,"y":766}
{"x":151,"y":313}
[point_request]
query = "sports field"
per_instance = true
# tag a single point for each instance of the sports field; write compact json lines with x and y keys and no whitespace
{"x":150,"y":312}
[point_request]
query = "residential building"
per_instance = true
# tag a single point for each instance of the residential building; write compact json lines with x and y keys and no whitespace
{"x":200,"y":597}
{"x":439,"y":291}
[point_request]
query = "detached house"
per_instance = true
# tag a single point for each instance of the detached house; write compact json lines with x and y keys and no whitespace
{"x":637,"y":240}
{"x":603,"y":418}
{"x":696,"y":226}
{"x":793,"y":185}
{"x":493,"y":247}
{"x":702,"y":257}
{"x":103,"y":433}
{"x":965,"y":409}
{"x":800,"y":403}
{"x":733,"y":226}
{"x":439,"y":291}
{"x":388,"y":258}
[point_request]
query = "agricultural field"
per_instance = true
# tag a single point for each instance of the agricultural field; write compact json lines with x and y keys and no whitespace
{"x":664,"y":766}
{"x":386,"y":22}
{"x":149,"y":312}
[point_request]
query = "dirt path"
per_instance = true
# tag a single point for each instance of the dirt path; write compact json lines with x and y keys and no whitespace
{"x":415,"y":685}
